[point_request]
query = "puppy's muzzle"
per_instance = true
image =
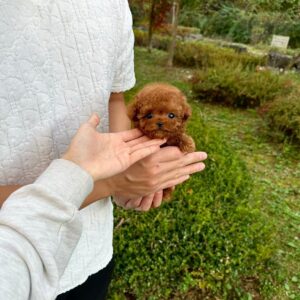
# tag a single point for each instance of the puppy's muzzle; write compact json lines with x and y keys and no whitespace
{"x":160,"y":124}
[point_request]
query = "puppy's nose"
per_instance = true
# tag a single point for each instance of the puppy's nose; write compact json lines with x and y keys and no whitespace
{"x":160,"y":124}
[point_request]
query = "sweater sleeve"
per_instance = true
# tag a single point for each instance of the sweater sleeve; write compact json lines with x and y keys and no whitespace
{"x":124,"y":78}
{"x":39,"y":229}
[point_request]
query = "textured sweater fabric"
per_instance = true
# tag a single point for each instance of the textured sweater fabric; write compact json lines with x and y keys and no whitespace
{"x":59,"y":62}
{"x":39,"y":229}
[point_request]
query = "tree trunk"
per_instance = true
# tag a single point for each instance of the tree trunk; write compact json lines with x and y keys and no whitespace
{"x":151,"y":23}
{"x":175,"y":15}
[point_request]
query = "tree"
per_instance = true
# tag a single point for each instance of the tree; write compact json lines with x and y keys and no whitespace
{"x":175,"y":14}
{"x":159,"y":10}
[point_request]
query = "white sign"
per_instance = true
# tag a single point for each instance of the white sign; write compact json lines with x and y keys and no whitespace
{"x":280,"y":41}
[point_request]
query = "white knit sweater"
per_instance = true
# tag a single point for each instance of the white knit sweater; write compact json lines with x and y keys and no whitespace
{"x":59,"y":62}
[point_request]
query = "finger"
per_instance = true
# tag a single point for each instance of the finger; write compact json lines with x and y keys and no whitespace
{"x":138,"y":141}
{"x":133,"y":203}
{"x":142,"y":153}
{"x":157,"y":200}
{"x":130,"y":135}
{"x":174,"y":182}
{"x":167,"y":154}
{"x":188,"y":170}
{"x":94,"y":120}
{"x":185,"y":160}
{"x":146,"y":203}
{"x":146,"y":144}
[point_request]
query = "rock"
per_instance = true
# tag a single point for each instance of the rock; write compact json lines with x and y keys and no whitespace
{"x":296,"y":63}
{"x":194,"y":37}
{"x":279,"y":60}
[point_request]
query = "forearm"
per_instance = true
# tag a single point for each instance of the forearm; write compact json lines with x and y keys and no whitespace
{"x":6,"y":191}
{"x":118,"y":119}
{"x":102,"y":189}
{"x":39,"y":229}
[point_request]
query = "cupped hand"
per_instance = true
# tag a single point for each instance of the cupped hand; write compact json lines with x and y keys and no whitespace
{"x":166,"y":168}
{"x":104,"y":155}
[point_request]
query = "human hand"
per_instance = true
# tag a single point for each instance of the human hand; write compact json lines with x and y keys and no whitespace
{"x":163,"y":169}
{"x":142,"y":203}
{"x":104,"y":155}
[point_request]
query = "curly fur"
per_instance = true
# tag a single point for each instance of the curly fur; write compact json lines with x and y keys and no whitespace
{"x":160,"y":110}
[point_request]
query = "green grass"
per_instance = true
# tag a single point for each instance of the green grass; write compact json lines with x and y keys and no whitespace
{"x":273,"y":173}
{"x":275,"y":167}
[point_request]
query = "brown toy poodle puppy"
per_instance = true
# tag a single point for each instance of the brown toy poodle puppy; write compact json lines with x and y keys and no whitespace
{"x":160,"y":110}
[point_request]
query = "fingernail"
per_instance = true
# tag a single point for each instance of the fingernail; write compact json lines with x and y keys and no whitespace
{"x":201,"y":167}
{"x":203,"y":155}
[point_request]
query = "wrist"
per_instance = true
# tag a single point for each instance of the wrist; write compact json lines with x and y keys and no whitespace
{"x":111,"y":185}
{"x":102,"y":189}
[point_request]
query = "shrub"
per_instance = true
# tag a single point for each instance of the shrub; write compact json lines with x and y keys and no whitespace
{"x":208,"y":239}
{"x":290,"y":28}
{"x":204,"y":55}
{"x":221,"y":21}
{"x":284,"y":115}
{"x":182,"y":31}
{"x":243,"y":26}
{"x":140,"y":38}
{"x":200,"y":54}
{"x":158,"y":41}
{"x":239,"y":87}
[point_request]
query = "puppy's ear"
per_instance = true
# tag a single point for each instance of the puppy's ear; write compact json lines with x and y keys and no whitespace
{"x":132,"y":111}
{"x":187,"y":112}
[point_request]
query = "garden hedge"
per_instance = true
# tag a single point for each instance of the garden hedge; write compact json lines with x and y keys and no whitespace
{"x":283,"y":115}
{"x":236,"y":86}
{"x":209,"y":240}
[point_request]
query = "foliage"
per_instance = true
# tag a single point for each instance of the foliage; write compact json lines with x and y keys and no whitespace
{"x":209,"y":238}
{"x":244,"y":130}
{"x":230,"y":22}
{"x":205,"y":55}
{"x":255,"y":22}
{"x":182,"y":31}
{"x":158,"y":41}
{"x":239,"y":87}
{"x":284,"y":115}
{"x":211,"y":6}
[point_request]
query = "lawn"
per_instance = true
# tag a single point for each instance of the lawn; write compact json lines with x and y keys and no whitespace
{"x":274,"y":169}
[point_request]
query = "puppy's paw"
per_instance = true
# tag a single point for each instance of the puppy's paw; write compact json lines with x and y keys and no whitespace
{"x":167,"y":194}
{"x":187,"y":144}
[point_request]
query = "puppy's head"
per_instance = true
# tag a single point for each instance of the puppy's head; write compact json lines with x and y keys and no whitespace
{"x":159,"y":110}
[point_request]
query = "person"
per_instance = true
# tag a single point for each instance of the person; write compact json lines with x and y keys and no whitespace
{"x":40,"y":224}
{"x":59,"y":62}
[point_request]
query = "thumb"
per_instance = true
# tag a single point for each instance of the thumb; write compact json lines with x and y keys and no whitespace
{"x":94,"y":120}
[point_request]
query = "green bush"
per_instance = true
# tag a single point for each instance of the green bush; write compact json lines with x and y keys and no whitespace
{"x":160,"y":42}
{"x":241,"y":26}
{"x":238,"y":87}
{"x":140,"y":38}
{"x":200,"y":54}
{"x":284,"y":115}
{"x":182,"y":31}
{"x":204,"y":55}
{"x":292,"y":29}
{"x":208,"y":240}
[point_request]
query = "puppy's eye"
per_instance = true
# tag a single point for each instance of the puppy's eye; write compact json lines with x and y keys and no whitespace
{"x":149,"y":116}
{"x":171,"y":115}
